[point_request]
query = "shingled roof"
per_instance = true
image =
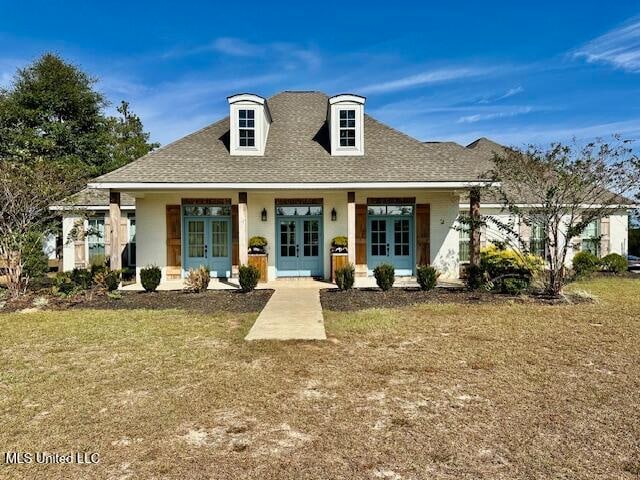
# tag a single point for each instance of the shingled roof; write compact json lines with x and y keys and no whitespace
{"x":297,"y":151}
{"x":93,"y":197}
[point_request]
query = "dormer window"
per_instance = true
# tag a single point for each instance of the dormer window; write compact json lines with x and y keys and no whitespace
{"x":247,"y":128}
{"x":249,"y":123}
{"x":347,"y":128}
{"x":345,"y":118}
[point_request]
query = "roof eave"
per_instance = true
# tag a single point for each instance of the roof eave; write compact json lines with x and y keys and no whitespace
{"x":291,"y":185}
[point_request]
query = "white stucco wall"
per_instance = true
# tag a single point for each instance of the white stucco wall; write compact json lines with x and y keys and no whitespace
{"x":619,"y":233}
{"x":445,"y":245}
{"x":68,"y":248}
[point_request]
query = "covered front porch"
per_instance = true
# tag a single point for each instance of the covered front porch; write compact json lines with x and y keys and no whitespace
{"x":178,"y":230}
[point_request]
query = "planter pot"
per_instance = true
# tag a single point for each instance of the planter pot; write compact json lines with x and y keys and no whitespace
{"x":339,"y":250}
{"x":260,"y":261}
{"x":338,"y":260}
{"x":257,"y":250}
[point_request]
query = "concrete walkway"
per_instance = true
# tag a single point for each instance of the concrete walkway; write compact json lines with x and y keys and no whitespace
{"x":292,"y":313}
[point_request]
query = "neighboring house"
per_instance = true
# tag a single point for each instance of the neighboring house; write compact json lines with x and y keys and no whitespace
{"x":299,"y":169}
{"x":86,"y":229}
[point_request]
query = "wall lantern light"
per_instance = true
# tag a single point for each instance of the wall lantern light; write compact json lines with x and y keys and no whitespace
{"x":263,"y":215}
{"x":334,"y":215}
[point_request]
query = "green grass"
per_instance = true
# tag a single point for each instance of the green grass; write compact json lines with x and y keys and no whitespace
{"x":429,"y":391}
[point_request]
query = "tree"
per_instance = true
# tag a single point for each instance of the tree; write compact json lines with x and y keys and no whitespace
{"x":54,"y":135}
{"x":53,"y":111}
{"x":128,"y":140}
{"x":562,"y":189}
{"x":26,"y":191}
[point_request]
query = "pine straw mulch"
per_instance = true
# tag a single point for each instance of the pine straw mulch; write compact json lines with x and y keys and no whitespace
{"x":209,"y":302}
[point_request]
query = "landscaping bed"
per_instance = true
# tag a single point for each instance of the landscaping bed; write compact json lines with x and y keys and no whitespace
{"x":363,"y":298}
{"x":211,"y":301}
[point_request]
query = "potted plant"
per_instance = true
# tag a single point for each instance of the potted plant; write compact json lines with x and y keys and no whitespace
{"x":257,"y":245}
{"x":339,"y":244}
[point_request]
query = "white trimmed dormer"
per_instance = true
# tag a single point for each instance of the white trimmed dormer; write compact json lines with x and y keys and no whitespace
{"x":345,"y":117}
{"x":249,"y":121}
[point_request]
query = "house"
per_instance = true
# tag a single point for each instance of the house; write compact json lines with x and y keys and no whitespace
{"x":86,"y":229}
{"x":299,"y":169}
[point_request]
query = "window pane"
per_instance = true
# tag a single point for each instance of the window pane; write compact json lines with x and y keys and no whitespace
{"x":377,"y":210}
{"x":196,"y":239}
{"x":219,"y":243}
{"x":400,"y":209}
{"x":312,"y":210}
{"x":401,"y":237}
{"x":250,"y":114}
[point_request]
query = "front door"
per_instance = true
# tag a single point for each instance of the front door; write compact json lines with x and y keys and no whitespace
{"x":390,"y":241}
{"x":299,"y":246}
{"x":208,"y":243}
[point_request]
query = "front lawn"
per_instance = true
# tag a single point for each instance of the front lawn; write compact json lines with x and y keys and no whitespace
{"x":510,"y":390}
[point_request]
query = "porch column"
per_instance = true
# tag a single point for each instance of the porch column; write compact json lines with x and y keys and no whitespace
{"x":474,"y":235}
{"x":243,"y":229}
{"x":115,"y":257}
{"x":351,"y":227}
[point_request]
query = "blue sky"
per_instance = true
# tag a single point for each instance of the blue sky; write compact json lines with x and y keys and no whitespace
{"x":505,"y":70}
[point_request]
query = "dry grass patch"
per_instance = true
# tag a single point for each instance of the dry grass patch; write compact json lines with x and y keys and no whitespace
{"x":427,"y":391}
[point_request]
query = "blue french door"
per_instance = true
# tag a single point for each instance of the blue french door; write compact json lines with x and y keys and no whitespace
{"x":299,"y":251}
{"x":391,"y":241}
{"x":208,"y":243}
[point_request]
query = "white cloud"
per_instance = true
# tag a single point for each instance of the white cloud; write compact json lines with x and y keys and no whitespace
{"x":285,"y":54}
{"x":495,"y":115}
{"x":424,"y":78}
{"x":619,"y":47}
{"x":509,"y":93}
{"x":236,"y":47}
{"x":170,"y":109}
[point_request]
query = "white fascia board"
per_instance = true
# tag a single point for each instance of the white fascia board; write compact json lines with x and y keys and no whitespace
{"x":246,"y":97}
{"x":69,"y":208}
{"x":127,"y":186}
{"x":347,"y":97}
